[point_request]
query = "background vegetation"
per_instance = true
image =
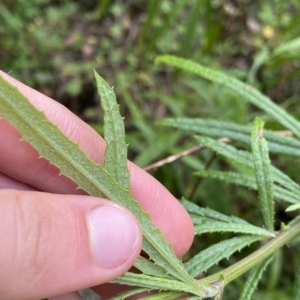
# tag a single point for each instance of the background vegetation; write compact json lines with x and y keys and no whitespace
{"x":53,"y":46}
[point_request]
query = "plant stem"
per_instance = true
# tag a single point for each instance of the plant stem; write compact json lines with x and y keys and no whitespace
{"x":256,"y":257}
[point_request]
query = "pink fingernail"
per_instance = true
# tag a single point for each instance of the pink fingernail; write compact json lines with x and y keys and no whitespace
{"x":114,"y":235}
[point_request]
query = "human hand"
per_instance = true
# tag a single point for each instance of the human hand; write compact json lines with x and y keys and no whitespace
{"x":54,"y":238}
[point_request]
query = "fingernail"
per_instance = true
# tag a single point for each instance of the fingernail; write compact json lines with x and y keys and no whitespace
{"x":114,"y":235}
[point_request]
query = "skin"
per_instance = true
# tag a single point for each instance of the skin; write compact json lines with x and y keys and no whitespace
{"x":47,"y":249}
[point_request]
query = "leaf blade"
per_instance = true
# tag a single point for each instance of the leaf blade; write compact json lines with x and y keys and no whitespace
{"x":154,"y":283}
{"x":253,"y":279}
{"x":263,"y":173}
{"x":130,"y":293}
{"x":215,"y":226}
{"x":115,"y":158}
{"x":245,"y":91}
{"x":196,"y":210}
{"x":293,"y":207}
{"x":248,"y":181}
{"x":215,"y":128}
{"x":213,"y":254}
{"x":149,"y":268}
{"x":245,"y":158}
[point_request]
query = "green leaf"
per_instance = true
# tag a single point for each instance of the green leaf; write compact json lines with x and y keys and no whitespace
{"x":54,"y":146}
{"x":253,"y":279}
{"x":213,"y":254}
{"x":291,"y":46}
{"x":208,"y":220}
{"x":196,"y":210}
{"x":293,"y":207}
{"x":149,"y":268}
{"x":167,"y":296}
{"x":155,"y":283}
{"x":214,"y":128}
{"x":263,"y":173}
{"x":247,"y":181}
{"x":115,"y":158}
{"x":245,"y":91}
{"x":237,"y":269}
{"x":129,"y":293}
{"x":215,"y":226}
{"x":245,"y":158}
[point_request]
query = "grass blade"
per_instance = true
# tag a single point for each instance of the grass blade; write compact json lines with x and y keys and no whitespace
{"x":245,"y":91}
{"x":291,"y":46}
{"x":263,"y":173}
{"x":191,"y":25}
{"x":213,"y":254}
{"x":253,"y":279}
{"x":154,"y":6}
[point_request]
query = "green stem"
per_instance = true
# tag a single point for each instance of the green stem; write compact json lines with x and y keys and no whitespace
{"x":256,"y":257}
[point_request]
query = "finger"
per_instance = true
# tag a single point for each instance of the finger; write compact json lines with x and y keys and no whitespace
{"x":69,"y":296}
{"x":7,"y":182}
{"x":55,"y":244}
{"x":23,"y":164}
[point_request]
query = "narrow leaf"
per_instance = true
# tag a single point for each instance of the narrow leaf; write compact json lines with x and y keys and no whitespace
{"x":115,"y":158}
{"x":213,"y":254}
{"x":196,"y":210}
{"x":253,"y":279}
{"x":263,"y":173}
{"x":130,"y":293}
{"x":245,"y":91}
{"x":293,"y":207}
{"x":215,"y":226}
{"x":154,"y":283}
{"x":248,"y":181}
{"x":245,"y":158}
{"x":214,"y":128}
{"x":149,"y":268}
{"x":291,"y":46}
{"x":167,"y":296}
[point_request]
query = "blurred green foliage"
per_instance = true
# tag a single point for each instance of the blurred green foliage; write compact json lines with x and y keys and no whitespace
{"x":54,"y":45}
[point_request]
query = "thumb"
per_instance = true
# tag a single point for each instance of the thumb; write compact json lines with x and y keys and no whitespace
{"x":53,"y":244}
